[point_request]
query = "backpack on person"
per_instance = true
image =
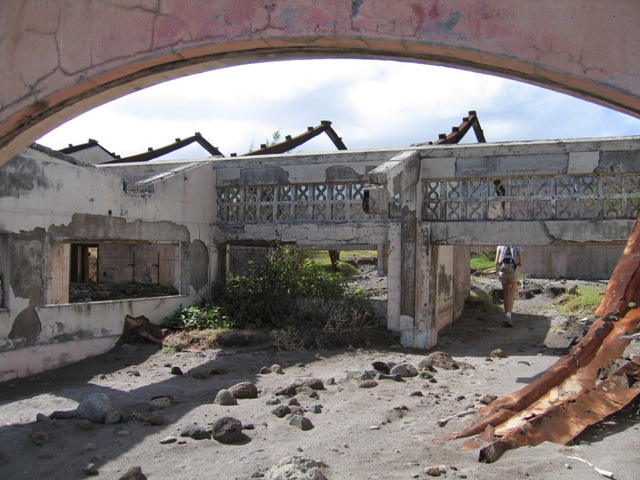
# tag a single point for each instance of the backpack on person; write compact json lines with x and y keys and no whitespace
{"x":508,"y":262}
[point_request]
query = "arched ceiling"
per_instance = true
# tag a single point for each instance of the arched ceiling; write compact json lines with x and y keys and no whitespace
{"x":61,"y":58}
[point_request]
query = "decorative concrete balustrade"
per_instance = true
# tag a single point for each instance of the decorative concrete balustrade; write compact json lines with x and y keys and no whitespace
{"x":306,"y":202}
{"x":577,"y":197}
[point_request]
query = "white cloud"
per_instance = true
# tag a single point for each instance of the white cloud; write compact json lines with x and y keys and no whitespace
{"x":371,"y":104}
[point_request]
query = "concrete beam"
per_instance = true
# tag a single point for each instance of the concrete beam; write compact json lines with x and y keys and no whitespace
{"x":557,"y":232}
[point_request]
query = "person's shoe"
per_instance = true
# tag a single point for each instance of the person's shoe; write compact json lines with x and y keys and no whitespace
{"x":508,"y":322}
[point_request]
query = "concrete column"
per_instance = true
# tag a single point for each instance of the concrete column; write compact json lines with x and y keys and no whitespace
{"x":394,"y":286}
{"x":425,"y":333}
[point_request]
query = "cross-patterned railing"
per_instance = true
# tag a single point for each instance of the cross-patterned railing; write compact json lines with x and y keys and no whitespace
{"x":551,"y":198}
{"x":308,"y":202}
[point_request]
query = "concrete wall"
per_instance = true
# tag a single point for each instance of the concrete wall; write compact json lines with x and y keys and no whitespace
{"x":47,"y":203}
{"x":70,"y":333}
{"x":585,"y":262}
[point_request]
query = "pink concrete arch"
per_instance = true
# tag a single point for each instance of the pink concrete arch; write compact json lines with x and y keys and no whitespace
{"x":59,"y":58}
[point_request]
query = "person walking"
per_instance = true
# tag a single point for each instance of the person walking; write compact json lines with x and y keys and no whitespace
{"x":508,"y":259}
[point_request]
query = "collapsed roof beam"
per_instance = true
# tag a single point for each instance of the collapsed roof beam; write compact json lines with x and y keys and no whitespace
{"x":292,"y":142}
{"x":153,"y":154}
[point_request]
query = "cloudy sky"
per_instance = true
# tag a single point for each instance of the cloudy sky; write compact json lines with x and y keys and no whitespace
{"x":371,"y":104}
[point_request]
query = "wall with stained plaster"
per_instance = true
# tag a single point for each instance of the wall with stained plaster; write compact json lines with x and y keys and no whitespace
{"x":49,"y":201}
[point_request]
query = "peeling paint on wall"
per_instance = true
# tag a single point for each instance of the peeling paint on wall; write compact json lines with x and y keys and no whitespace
{"x":21,"y":175}
{"x":266,"y":175}
{"x":341,"y":173}
{"x":27,"y":325}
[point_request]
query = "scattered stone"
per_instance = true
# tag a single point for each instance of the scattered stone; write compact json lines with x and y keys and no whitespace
{"x":197,"y":432}
{"x":523,"y":362}
{"x":281,"y":411}
{"x":176,"y":371}
{"x":297,"y":410}
{"x":315,"y":408}
{"x":303,"y":423}
{"x":293,"y":401}
{"x":265,"y":371}
{"x":313,"y":382}
{"x":442,"y":360}
{"x":487,"y":398}
{"x":94,"y":407}
{"x":133,"y":373}
{"x":459,"y":398}
{"x":160,"y":402}
{"x":498,"y":353}
{"x":227,"y":430}
{"x":425,"y":375}
{"x":435,"y":471}
{"x":296,"y":467}
{"x":244,"y":390}
{"x":367,"y":384}
{"x":374,"y":427}
{"x":112,"y":416}
{"x":331,"y":381}
{"x":404,"y":370}
{"x":308,"y":391}
{"x":169,"y":439}
{"x":249,"y":426}
{"x":381,"y":367}
{"x":63,"y":414}
{"x":91,"y":469}
{"x":273,"y":401}
{"x":360,"y":375}
{"x":225,"y":398}
{"x":90,"y":447}
{"x":85,"y":425}
{"x":134,"y":473}
{"x":417,"y":393}
{"x":396,"y":377}
{"x":305,"y":386}
{"x":38,"y":438}
{"x":275,"y":368}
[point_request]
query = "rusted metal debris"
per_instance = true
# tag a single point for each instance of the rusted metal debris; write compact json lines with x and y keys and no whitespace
{"x":568,"y":397}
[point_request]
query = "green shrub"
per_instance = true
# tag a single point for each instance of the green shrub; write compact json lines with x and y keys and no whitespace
{"x":201,"y":318}
{"x":480,"y":301}
{"x":586,"y":298}
{"x":482,"y":261}
{"x":291,"y":291}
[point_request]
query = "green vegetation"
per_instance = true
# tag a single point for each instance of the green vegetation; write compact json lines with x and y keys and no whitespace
{"x":299,"y":300}
{"x":586,"y":298}
{"x":480,"y":301}
{"x":202,"y":318}
{"x":481,"y":261}
{"x":321,"y":257}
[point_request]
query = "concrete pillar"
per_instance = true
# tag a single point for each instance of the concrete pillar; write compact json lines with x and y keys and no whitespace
{"x":394,"y":285}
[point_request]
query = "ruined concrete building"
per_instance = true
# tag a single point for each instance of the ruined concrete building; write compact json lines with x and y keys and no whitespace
{"x":172,"y":224}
